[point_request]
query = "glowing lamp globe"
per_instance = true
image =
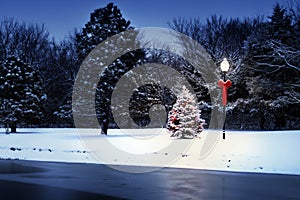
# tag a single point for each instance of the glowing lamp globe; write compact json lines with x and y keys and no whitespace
{"x":225,"y":65}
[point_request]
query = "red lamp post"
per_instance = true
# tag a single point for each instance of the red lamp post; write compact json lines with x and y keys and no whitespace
{"x":224,"y":85}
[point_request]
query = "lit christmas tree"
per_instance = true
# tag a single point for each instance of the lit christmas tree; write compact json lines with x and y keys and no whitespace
{"x":184,"y":119}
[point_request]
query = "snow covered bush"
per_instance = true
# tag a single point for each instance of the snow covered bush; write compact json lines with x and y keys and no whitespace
{"x":64,"y":114}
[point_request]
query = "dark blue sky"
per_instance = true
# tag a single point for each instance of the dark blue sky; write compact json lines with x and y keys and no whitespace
{"x":62,"y":16}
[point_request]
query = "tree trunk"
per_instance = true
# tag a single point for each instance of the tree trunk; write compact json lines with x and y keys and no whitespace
{"x":13,"y":128}
{"x":104,"y":128}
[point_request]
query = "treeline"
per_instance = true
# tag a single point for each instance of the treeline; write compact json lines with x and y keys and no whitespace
{"x":56,"y":65}
{"x":27,"y":47}
{"x":264,"y":54}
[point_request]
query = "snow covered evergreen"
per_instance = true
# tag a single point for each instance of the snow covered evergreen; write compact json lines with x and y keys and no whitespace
{"x":104,"y":22}
{"x":21,"y":94}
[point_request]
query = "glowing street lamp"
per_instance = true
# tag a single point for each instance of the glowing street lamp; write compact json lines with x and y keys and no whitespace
{"x":224,"y":85}
{"x":224,"y":65}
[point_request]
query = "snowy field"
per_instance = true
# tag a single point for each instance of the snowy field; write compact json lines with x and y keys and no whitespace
{"x":265,"y":152}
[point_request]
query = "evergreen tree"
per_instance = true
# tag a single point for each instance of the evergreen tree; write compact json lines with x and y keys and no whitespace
{"x":104,"y":22}
{"x":21,"y":95}
{"x":266,"y":48}
{"x":271,"y":72}
{"x":108,"y":82}
{"x":280,"y":24}
{"x":184,"y":119}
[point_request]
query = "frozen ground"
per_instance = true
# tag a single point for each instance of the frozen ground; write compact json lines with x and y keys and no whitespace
{"x":266,"y":152}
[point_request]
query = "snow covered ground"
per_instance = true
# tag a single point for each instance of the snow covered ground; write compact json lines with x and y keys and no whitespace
{"x":266,"y":152}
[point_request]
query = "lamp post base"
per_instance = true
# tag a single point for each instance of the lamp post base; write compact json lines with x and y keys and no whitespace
{"x":224,"y":117}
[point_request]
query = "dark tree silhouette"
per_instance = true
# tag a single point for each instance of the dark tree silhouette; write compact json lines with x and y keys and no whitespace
{"x":21,"y":95}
